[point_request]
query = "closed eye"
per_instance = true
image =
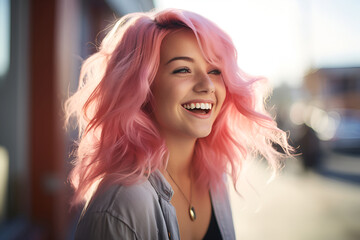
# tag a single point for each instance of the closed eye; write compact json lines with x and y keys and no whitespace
{"x":215,"y":72}
{"x":181,"y":70}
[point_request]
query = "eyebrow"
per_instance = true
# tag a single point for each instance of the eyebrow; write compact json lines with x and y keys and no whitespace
{"x":189,"y":59}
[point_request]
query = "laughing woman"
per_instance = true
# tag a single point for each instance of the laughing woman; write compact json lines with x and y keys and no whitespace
{"x":164,"y":115}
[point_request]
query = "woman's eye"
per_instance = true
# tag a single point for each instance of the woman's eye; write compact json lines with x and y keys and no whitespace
{"x":182,"y":70}
{"x":215,"y":72}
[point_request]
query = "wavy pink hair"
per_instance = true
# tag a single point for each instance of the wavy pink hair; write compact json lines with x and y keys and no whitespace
{"x":118,"y":138}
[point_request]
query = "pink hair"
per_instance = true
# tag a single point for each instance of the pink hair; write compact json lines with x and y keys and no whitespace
{"x":118,"y":138}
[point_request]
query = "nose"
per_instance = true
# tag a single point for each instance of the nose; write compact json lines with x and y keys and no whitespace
{"x":204,"y":84}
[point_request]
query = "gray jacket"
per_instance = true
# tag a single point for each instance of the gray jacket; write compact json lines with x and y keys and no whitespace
{"x":143,"y":211}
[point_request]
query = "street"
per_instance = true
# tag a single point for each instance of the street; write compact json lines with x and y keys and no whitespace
{"x":298,"y":205}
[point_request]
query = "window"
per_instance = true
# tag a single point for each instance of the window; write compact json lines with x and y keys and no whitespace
{"x":5,"y":37}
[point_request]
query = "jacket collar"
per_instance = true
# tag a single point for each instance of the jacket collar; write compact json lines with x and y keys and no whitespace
{"x":161,"y":186}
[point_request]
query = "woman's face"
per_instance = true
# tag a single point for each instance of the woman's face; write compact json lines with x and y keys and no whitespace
{"x":188,"y":91}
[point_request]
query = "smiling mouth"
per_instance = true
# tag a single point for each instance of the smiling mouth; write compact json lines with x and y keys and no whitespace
{"x":198,"y":108}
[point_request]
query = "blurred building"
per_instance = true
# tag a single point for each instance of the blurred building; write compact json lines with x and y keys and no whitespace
{"x":330,"y":110}
{"x":47,"y":42}
{"x":334,"y":88}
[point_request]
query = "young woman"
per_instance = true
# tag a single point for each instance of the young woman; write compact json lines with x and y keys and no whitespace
{"x":164,"y":115}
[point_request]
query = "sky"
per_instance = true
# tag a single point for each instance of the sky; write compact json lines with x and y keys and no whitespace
{"x":279,"y":39}
{"x":282,"y":39}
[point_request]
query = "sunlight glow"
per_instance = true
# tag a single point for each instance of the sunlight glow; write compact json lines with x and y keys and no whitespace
{"x":4,"y":174}
{"x":282,"y":39}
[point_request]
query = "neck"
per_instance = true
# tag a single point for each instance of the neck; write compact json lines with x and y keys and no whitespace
{"x":181,"y":154}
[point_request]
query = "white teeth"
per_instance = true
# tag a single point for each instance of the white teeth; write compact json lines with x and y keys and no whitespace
{"x":198,"y":106}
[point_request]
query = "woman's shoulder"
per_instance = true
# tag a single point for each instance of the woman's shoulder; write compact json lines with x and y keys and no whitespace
{"x":126,"y":211}
{"x":117,"y":198}
{"x":125,"y":202}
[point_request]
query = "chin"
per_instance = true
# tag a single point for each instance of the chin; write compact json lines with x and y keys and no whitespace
{"x":204,"y":133}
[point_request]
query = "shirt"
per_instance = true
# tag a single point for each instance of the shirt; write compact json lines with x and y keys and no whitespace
{"x":143,"y":211}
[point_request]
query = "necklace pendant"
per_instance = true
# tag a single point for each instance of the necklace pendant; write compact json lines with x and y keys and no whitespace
{"x":192,"y":213}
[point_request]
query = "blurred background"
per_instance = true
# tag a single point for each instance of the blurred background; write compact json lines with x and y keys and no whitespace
{"x":308,"y":49}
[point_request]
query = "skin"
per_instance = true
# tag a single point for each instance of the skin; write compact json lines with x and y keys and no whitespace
{"x":185,"y":76}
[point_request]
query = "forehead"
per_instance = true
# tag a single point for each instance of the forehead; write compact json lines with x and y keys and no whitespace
{"x":180,"y":43}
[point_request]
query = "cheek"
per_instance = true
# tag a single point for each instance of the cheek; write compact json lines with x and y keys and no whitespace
{"x":164,"y":100}
{"x":220,"y":96}
{"x":159,"y":103}
{"x":221,"y":92}
{"x":172,"y":93}
{"x":163,"y":97}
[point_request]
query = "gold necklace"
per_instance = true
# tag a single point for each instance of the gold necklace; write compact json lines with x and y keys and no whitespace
{"x":192,"y":213}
